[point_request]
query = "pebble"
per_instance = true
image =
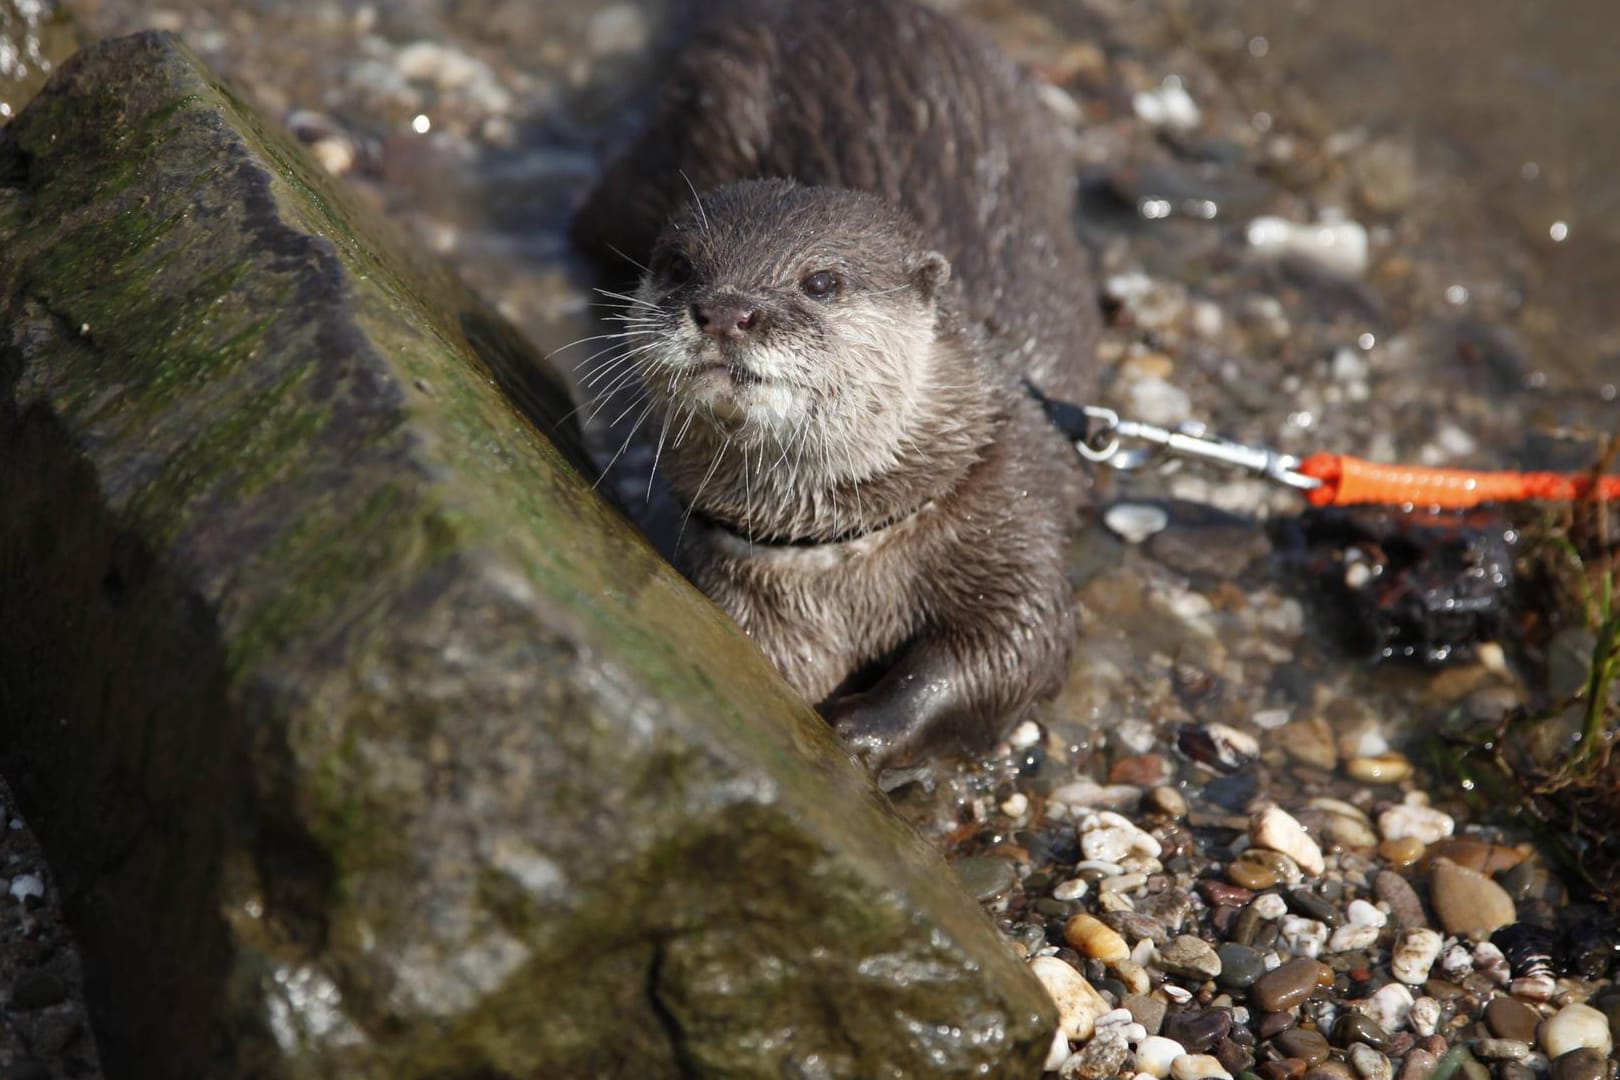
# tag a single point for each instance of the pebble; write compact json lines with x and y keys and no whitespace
{"x":1198,"y":1067}
{"x":1413,"y":821}
{"x":1354,"y":1027}
{"x":37,"y":990}
{"x":1425,"y":1016}
{"x":1402,"y":851}
{"x":1167,"y":105}
{"x":1575,"y":1027}
{"x":1103,"y":1056}
{"x":1414,"y":955}
{"x":1155,"y":1055}
{"x":1369,"y":1063}
{"x":1190,"y":956}
{"x":1419,"y":1064}
{"x":1501,"y":1049}
{"x":1078,"y":1003}
{"x":1198,"y":1031}
{"x":985,"y":877}
{"x":26,"y":886}
{"x":1391,"y":1006}
{"x":1277,"y":830}
{"x":1335,"y":244}
{"x":1585,"y":1063}
{"x":1289,"y":984}
{"x":1166,"y":801}
{"x":1112,"y":837}
{"x":1251,"y":875}
{"x":1387,"y":768}
{"x":1510,"y":1019}
{"x":1307,"y":1044}
{"x":1404,"y":906}
{"x":1094,"y":938}
{"x":1135,"y":523}
{"x":1303,"y":937}
{"x":1240,"y":965}
{"x":1270,"y":906}
{"x":1072,"y":889}
{"x":1466,"y":901}
{"x":1353,"y":939}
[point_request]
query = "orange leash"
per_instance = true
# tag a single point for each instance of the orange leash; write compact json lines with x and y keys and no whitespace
{"x":1099,"y":436}
{"x":1350,"y":481}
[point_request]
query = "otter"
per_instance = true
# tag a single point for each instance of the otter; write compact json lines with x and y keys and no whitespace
{"x":855,"y":226}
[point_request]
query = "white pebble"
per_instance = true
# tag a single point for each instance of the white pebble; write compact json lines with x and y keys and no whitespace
{"x":1115,"y":1018}
{"x":1059,"y":1053}
{"x":1369,"y":1063}
{"x":1414,"y":953}
{"x":25,"y":885}
{"x":1135,"y":523}
{"x":1198,"y":1067}
{"x":1575,"y":1027}
{"x":1457,"y":963}
{"x":1155,"y":1054}
{"x":1302,"y":936}
{"x":1112,"y":837}
{"x":1351,"y":938}
{"x":1360,"y":913}
{"x":1276,"y":829}
{"x":1424,"y":824}
{"x":1270,"y":906}
{"x":1089,"y":794}
{"x":1425,"y":1016}
{"x":1168,"y":105}
{"x":1016,"y":805}
{"x":1078,"y":1003}
{"x":1489,"y":960}
{"x":1073,"y":889}
{"x":1025,"y":735}
{"x":1390,"y":1006}
{"x":1338,"y":245}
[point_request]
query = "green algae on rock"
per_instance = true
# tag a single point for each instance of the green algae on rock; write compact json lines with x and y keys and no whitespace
{"x":366,"y":740}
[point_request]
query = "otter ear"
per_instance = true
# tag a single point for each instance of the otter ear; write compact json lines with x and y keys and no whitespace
{"x":929,"y":273}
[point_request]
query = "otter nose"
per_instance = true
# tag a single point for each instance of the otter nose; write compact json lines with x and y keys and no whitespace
{"x":729,"y":319}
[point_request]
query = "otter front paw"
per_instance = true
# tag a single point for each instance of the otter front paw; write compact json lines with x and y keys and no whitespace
{"x":876,"y":733}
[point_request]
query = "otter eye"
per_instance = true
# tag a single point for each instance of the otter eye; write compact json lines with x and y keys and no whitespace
{"x":820,"y":285}
{"x":678,"y":269}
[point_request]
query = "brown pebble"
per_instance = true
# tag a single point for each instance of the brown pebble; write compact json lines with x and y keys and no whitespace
{"x":1250,"y":875}
{"x":1304,"y":1043}
{"x":1405,"y":909}
{"x":1274,"y":1024}
{"x":1418,"y":1065}
{"x":1387,"y":768}
{"x":1466,"y":901}
{"x":1403,"y":851}
{"x":1511,"y":1019}
{"x":1586,"y":1063}
{"x":1140,"y":770}
{"x":1288,"y":985}
{"x":1219,"y":892}
{"x":1167,"y":801}
{"x":1331,"y":1070}
{"x":1282,"y":1069}
{"x":1476,"y":855}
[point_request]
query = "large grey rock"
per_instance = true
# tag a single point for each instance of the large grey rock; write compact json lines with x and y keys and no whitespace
{"x":366,"y":740}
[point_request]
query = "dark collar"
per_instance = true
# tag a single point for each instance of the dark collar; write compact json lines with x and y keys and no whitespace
{"x":741,"y":532}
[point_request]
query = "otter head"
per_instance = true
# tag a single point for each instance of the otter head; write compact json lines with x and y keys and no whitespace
{"x":768,"y":307}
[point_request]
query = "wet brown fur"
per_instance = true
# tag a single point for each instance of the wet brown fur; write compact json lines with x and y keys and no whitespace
{"x":965,"y":497}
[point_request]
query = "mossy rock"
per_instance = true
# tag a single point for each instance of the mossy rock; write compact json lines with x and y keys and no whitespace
{"x":365,"y":739}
